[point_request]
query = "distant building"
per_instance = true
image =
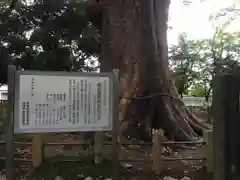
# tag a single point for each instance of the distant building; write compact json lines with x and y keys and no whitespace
{"x":3,"y":93}
{"x":196,"y":101}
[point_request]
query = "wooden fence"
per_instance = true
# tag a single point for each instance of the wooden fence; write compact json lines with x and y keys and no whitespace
{"x":157,"y":147}
{"x":156,"y":158}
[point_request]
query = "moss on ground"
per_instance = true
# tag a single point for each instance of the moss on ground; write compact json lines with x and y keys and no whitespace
{"x":78,"y":168}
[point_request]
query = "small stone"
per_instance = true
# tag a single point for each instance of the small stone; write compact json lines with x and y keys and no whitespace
{"x":81,"y":176}
{"x":169,"y":178}
{"x":186,"y":178}
{"x":127,"y":166}
{"x":58,"y":178}
{"x":88,"y":178}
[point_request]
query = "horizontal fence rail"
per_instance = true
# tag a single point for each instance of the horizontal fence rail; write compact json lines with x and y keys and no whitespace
{"x":157,"y":158}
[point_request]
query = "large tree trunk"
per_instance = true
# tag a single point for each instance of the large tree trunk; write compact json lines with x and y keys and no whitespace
{"x":134,"y":40}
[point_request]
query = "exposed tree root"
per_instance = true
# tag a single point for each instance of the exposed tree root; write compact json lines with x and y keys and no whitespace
{"x":179,"y":123}
{"x":186,"y":128}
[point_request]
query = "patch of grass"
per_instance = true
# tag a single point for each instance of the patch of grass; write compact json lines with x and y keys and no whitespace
{"x":71,"y":170}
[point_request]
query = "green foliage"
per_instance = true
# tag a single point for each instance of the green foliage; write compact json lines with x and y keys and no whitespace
{"x":71,"y":170}
{"x":197,"y":89}
{"x":184,"y":59}
{"x":194,"y":63}
{"x":47,"y":35}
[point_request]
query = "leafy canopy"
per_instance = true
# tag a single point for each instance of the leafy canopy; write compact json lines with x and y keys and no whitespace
{"x":47,"y":35}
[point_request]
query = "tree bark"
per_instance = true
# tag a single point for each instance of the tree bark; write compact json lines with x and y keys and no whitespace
{"x":134,"y":40}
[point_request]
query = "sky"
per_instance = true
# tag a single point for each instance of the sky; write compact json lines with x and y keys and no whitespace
{"x":194,"y":19}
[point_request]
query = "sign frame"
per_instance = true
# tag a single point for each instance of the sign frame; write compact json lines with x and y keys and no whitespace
{"x":112,"y":84}
{"x":10,"y":175}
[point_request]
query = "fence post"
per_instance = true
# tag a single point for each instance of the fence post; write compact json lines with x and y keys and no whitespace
{"x":10,"y":129}
{"x":208,"y":149}
{"x":98,"y":147}
{"x":157,"y":147}
{"x":37,"y":150}
{"x":81,"y":139}
{"x":225,"y":125}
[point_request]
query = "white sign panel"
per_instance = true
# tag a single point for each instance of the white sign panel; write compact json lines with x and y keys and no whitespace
{"x":63,"y":103}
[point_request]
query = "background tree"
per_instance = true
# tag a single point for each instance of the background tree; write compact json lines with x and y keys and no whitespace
{"x":47,"y":35}
{"x":221,"y":54}
{"x":206,"y":58}
{"x":184,"y":62}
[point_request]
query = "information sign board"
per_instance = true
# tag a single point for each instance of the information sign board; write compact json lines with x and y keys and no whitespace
{"x":62,"y":101}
